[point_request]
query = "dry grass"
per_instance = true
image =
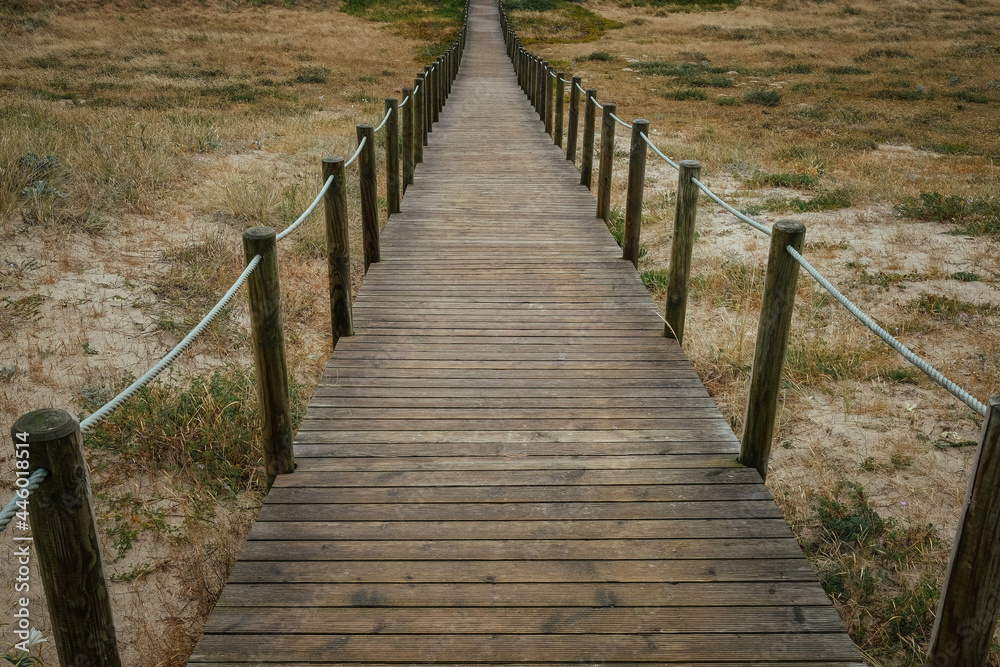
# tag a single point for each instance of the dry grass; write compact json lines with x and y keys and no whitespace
{"x":887,"y":153}
{"x":137,"y":140}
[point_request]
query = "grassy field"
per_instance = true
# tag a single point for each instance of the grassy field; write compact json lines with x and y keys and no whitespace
{"x":137,"y":141}
{"x":878,"y":126}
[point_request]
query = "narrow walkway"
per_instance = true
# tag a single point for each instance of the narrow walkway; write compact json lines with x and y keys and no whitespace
{"x":508,"y":463}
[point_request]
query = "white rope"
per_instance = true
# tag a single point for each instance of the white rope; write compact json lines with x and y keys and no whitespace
{"x":356,"y":153}
{"x":580,"y":88}
{"x":564,"y":80}
{"x":597,"y":104}
{"x":8,"y":512}
{"x":292,"y":227}
{"x":750,"y":221}
{"x":405,"y":100}
{"x":173,"y":354}
{"x":906,"y":353}
{"x":416,"y":90}
{"x":621,"y":122}
{"x":658,"y":152}
{"x":384,"y":120}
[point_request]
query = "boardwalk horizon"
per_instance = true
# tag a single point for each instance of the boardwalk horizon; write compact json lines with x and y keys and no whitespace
{"x":508,"y":463}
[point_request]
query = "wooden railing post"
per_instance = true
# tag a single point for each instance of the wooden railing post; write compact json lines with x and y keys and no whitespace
{"x":428,"y":100}
{"x":543,"y":76}
{"x":392,"y":155}
{"x":408,"y":143}
{"x":66,"y":540}
{"x":560,"y":94}
{"x":338,"y":249}
{"x":970,"y":597}
{"x":606,"y":165}
{"x":419,"y":118}
{"x":549,"y":102}
{"x":369,"y":195}
{"x":587,"y":161}
{"x":574,"y":118}
{"x":531,"y":81}
{"x":772,"y":338}
{"x":437,"y":75}
{"x":268,"y":334}
{"x":633,"y":200}
{"x":680,"y":252}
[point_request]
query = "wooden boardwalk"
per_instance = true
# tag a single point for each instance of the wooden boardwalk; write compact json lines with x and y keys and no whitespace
{"x":508,"y":463}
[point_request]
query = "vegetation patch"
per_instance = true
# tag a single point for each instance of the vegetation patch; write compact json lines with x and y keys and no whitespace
{"x":866,"y":563}
{"x":975,"y":216}
{"x":801,"y":181}
{"x":557,"y":21}
{"x":950,"y":308}
{"x":764,"y":98}
{"x":683,"y":5}
{"x":685,"y":94}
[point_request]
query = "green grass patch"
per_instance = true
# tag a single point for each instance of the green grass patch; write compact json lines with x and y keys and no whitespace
{"x":311,"y":75}
{"x":656,"y":280}
{"x":903,"y":95}
{"x":764,"y":98}
{"x":875,"y":54}
{"x":685,"y":95}
{"x":684,"y":5}
{"x":603,"y":56}
{"x":207,"y":427}
{"x":796,"y":68}
{"x":392,"y":11}
{"x":729,"y":102}
{"x":848,"y":70}
{"x":950,"y":308}
{"x":828,"y":200}
{"x":801,"y":181}
{"x":977,"y":216}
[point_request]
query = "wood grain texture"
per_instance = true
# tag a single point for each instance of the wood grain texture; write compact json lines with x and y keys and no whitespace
{"x":508,"y":462}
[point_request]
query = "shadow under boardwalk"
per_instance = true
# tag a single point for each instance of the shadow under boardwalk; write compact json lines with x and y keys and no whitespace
{"x":508,"y":463}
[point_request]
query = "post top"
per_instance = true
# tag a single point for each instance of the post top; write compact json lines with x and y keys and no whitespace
{"x":789,"y":226}
{"x":365,"y":126}
{"x":640,"y":121}
{"x":690,"y":164}
{"x":392,"y":100}
{"x":45,"y":425}
{"x":258,"y":233}
{"x":333,"y":159}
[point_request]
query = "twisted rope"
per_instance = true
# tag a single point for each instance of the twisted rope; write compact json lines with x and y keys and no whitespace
{"x":8,"y":512}
{"x":292,"y":227}
{"x":904,"y":351}
{"x":621,"y":122}
{"x":750,"y":221}
{"x":357,"y":152}
{"x":658,"y":152}
{"x":111,"y":405}
{"x":405,"y":100}
{"x":384,"y":120}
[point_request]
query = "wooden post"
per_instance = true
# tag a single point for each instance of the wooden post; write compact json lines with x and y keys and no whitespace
{"x":560,"y":94}
{"x":268,"y":333}
{"x":633,"y":200}
{"x":392,"y":155}
{"x":419,"y":118}
{"x":66,"y":540}
{"x":338,"y":249}
{"x":543,"y":77}
{"x":428,"y":101}
{"x":970,"y":597}
{"x":531,"y":81}
{"x":574,"y":119}
{"x":369,"y":192}
{"x":550,"y":106}
{"x":587,"y":161}
{"x":436,"y":75}
{"x":680,"y":252}
{"x":606,"y":164}
{"x":408,"y":143}
{"x":772,"y":337}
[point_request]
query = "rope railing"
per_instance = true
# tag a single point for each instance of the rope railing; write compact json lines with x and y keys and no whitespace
{"x":357,"y":152}
{"x":384,"y":120}
{"x":148,"y":377}
{"x":17,"y":502}
{"x":621,"y":122}
{"x":904,"y":351}
{"x":295,"y":225}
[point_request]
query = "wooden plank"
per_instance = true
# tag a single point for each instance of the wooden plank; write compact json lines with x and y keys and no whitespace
{"x":599,"y":620}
